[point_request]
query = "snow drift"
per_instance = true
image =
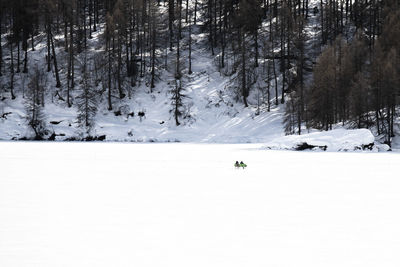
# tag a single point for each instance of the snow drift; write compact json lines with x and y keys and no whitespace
{"x":335,"y":140}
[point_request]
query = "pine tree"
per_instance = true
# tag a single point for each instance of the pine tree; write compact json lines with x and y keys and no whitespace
{"x":321,"y":94}
{"x":34,"y":104}
{"x":359,"y":100}
{"x":86,"y":101}
{"x":177,"y":96}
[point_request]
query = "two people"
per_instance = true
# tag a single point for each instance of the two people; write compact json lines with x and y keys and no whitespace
{"x":241,"y":164}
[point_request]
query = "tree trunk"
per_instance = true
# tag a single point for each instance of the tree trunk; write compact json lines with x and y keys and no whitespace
{"x":178,"y":67}
{"x":210,"y":22}
{"x":12,"y":71}
{"x":65,"y":28}
{"x":26,"y":61}
{"x":243,"y":54}
{"x":190,"y":45}
{"x":187,"y":11}
{"x":58,"y":83}
{"x":153,"y":52}
{"x":18,"y":54}
{"x":48,"y":46}
{"x":256,"y":47}
{"x":171,"y":19}
{"x":109,"y":75}
{"x":283,"y":62}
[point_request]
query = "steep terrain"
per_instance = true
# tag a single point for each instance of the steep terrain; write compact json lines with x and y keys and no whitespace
{"x":212,"y":109}
{"x":211,"y":112}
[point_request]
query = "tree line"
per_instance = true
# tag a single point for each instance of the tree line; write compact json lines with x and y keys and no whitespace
{"x":333,"y":62}
{"x":356,"y":77}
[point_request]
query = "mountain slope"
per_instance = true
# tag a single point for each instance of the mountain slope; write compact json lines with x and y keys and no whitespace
{"x":211,"y":112}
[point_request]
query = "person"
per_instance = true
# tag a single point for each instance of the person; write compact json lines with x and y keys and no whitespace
{"x":237,"y":165}
{"x":242,"y":165}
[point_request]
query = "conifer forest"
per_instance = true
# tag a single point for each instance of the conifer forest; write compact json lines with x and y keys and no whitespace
{"x":324,"y":64}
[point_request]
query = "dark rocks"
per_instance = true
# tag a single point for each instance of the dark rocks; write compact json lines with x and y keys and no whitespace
{"x":304,"y":146}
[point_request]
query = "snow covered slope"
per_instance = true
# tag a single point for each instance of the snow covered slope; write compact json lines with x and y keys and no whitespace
{"x":211,"y":112}
{"x":177,"y":205}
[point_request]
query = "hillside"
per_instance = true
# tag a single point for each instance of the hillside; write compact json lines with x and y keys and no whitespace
{"x":211,"y":112}
{"x":237,"y":74}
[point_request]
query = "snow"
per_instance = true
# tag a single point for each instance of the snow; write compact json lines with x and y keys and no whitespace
{"x":151,"y":205}
{"x":214,"y":115}
{"x":335,"y":140}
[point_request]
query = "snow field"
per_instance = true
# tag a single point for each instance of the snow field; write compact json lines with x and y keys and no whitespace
{"x":148,"y":205}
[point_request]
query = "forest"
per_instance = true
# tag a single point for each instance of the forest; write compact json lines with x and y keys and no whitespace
{"x":328,"y":62}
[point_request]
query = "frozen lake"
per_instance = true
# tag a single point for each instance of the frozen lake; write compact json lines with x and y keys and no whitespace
{"x":185,"y":205}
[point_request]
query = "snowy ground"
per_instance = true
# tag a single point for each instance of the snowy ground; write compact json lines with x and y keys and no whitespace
{"x":333,"y":141}
{"x":212,"y":113}
{"x":185,"y":205}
